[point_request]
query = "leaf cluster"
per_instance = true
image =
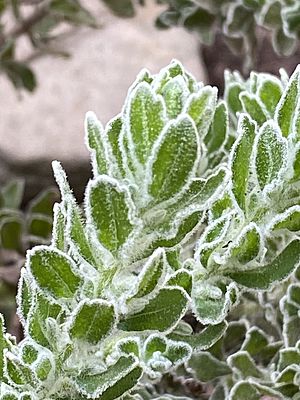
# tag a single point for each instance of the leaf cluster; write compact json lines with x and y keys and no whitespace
{"x":190,"y":222}
{"x":238,"y":21}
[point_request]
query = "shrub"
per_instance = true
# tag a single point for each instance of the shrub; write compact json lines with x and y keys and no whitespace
{"x":238,"y":20}
{"x":170,"y":276}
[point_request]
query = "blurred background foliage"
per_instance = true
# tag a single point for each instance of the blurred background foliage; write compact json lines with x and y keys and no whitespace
{"x":43,"y":23}
{"x":21,"y":227}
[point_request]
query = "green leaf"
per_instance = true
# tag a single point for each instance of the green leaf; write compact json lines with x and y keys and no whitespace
{"x":121,"y":9}
{"x":96,"y":143}
{"x":181,"y":278}
{"x":218,"y":130}
{"x":253,"y":108}
{"x":201,"y":21}
{"x":146,"y":120}
{"x":244,"y":390}
{"x":110,"y":210}
{"x":161,"y":313}
{"x":20,"y":75}
{"x":115,"y":381}
{"x":151,"y":274}
{"x":37,"y":327}
{"x":78,"y":237}
{"x":241,"y":158}
{"x":92,"y":321}
{"x":232,"y":92}
{"x":2,"y":346}
{"x":206,"y":367}
{"x":175,"y":93}
{"x":175,"y":159}
{"x":25,"y":296}
{"x":244,"y":365}
{"x":287,"y":105}
{"x":201,"y":108}
{"x":211,"y":303}
{"x":290,"y":220}
{"x":264,"y":276}
{"x":58,"y":230}
{"x":204,"y":339}
{"x":43,"y":203}
{"x":269,"y":92}
{"x":11,"y":230}
{"x":247,"y":245}
{"x":11,"y":194}
{"x":256,"y":341}
{"x":271,"y":154}
{"x":54,"y":272}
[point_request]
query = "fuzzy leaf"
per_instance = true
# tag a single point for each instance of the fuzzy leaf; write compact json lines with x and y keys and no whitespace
{"x":161,"y":313}
{"x":271,"y":154}
{"x":92,"y":321}
{"x":218,"y":130}
{"x":240,"y":160}
{"x":264,"y":276}
{"x":204,"y":339}
{"x":146,"y":120}
{"x":54,"y":272}
{"x":206,"y":367}
{"x":175,"y":159}
{"x":286,"y":107}
{"x":211,"y":303}
{"x":247,"y":245}
{"x":2,"y":346}
{"x":96,"y":143}
{"x":270,"y":92}
{"x":151,"y":274}
{"x":201,"y":108}
{"x":252,"y":107}
{"x":112,"y":383}
{"x":108,"y":205}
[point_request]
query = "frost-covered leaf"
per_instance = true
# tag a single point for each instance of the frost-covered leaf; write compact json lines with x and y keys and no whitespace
{"x":92,"y":321}
{"x":269,"y":92}
{"x":244,"y":365}
{"x":287,"y":105}
{"x":204,"y":339}
{"x":110,"y":384}
{"x":162,"y":313}
{"x":54,"y":272}
{"x":39,"y":315}
{"x":58,"y":230}
{"x":290,"y":220}
{"x":174,"y":160}
{"x":181,"y":278}
{"x":241,"y":158}
{"x":2,"y":346}
{"x":108,"y":205}
{"x":264,"y":276}
{"x":175,"y":93}
{"x":25,"y":297}
{"x":201,"y":108}
{"x":151,"y":274}
{"x":146,"y":120}
{"x":253,"y":108}
{"x":271,"y":154}
{"x":78,"y":236}
{"x":206,"y":367}
{"x":211,"y":302}
{"x":247,"y":245}
{"x":96,"y":143}
{"x":218,"y":130}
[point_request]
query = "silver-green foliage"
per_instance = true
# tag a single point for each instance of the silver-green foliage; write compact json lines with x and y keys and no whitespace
{"x":176,"y":222}
{"x":238,"y":20}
